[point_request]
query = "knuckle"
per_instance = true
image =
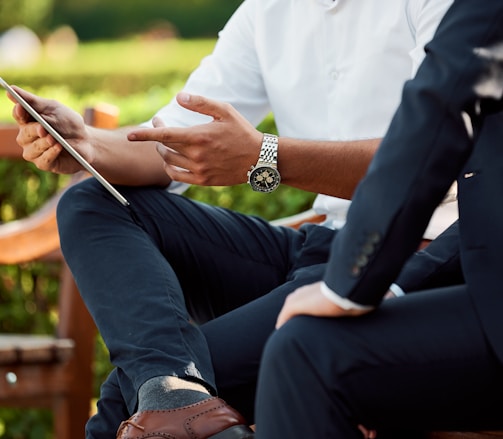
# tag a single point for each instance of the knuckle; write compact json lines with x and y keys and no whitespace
{"x":201,"y":138}
{"x":20,"y":137}
{"x":198,"y":156}
{"x":227,"y":107}
{"x":200,"y":169}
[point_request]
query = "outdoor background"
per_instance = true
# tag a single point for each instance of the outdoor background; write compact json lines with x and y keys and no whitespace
{"x":129,"y":53}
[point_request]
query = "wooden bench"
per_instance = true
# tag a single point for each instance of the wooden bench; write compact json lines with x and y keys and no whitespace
{"x":53,"y":371}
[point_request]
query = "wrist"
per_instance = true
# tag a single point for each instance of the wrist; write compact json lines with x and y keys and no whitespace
{"x":264,"y":175}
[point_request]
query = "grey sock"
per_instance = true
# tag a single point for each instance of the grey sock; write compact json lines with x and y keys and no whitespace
{"x":167,"y":392}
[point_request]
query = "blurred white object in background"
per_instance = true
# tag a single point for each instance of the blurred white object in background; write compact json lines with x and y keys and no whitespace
{"x":19,"y":47}
{"x":62,"y":44}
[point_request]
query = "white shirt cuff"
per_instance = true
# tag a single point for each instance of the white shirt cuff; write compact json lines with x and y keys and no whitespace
{"x":341,"y":301}
{"x":396,"y":290}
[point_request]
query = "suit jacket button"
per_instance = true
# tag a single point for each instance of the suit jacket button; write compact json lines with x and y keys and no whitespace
{"x":374,"y":237}
{"x":362,"y":260}
{"x":355,"y":271}
{"x":368,"y":248}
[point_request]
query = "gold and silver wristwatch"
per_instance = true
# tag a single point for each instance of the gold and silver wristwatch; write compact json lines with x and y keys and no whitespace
{"x":264,"y":176}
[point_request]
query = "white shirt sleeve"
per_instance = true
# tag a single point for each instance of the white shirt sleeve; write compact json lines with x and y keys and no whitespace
{"x":424,"y":17}
{"x":396,"y":290}
{"x":341,"y":301}
{"x":231,"y":73}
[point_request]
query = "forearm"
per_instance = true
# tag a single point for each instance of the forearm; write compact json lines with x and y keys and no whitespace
{"x":328,"y":167}
{"x":125,"y":162}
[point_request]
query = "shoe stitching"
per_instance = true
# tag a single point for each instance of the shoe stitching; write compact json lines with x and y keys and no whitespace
{"x":188,"y":421}
{"x":142,"y":428}
{"x":168,"y":435}
{"x":180,"y":409}
{"x":124,"y":424}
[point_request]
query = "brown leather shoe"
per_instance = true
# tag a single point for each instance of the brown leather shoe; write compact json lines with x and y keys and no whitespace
{"x":208,"y":419}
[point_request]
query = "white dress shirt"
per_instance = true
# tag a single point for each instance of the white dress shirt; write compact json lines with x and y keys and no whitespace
{"x":326,"y":69}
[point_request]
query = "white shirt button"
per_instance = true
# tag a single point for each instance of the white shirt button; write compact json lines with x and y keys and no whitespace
{"x":334,"y":74}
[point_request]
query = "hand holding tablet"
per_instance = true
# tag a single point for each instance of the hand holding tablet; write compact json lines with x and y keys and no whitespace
{"x":71,"y":150}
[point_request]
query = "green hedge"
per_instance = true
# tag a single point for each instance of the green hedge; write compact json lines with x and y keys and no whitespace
{"x":117,"y":18}
{"x":97,"y":19}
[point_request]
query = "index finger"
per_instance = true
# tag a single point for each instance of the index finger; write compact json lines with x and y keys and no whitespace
{"x":158,"y":134}
{"x":21,"y":114}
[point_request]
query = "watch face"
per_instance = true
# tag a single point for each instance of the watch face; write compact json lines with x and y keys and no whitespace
{"x":264,"y":179}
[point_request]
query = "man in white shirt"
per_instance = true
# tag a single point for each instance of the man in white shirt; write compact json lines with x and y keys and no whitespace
{"x":332,"y":73}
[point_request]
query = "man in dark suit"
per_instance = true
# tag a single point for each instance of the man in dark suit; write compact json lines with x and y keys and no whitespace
{"x":424,"y":361}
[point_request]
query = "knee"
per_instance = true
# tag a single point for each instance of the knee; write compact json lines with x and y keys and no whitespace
{"x":285,"y":347}
{"x":300,"y":342}
{"x":76,"y":197}
{"x":75,"y":207}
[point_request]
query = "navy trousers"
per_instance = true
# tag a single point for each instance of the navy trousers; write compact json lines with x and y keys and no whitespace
{"x":418,"y":363}
{"x":422,"y":361}
{"x":180,"y":288}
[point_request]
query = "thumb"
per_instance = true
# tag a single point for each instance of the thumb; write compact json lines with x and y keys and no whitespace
{"x":200,"y":104}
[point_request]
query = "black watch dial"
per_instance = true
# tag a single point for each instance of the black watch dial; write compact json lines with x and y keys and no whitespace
{"x":264,"y":179}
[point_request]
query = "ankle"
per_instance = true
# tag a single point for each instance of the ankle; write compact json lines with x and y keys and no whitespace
{"x":167,"y":392}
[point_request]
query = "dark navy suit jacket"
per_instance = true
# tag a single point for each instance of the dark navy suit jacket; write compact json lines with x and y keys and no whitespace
{"x":447,"y":127}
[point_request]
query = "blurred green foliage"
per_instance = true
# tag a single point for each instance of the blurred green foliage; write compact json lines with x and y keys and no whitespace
{"x":139,"y":78}
{"x":25,"y":424}
{"x":113,"y":69}
{"x":93,"y":19}
{"x":35,"y":14}
{"x":97,"y":19}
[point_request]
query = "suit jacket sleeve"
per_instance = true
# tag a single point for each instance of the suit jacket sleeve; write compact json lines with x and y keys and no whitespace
{"x":430,"y":138}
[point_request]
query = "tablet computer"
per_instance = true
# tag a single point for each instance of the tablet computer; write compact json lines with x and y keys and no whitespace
{"x":63,"y":142}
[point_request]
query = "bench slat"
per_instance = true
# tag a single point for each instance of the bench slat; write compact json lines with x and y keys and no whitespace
{"x":17,"y":348}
